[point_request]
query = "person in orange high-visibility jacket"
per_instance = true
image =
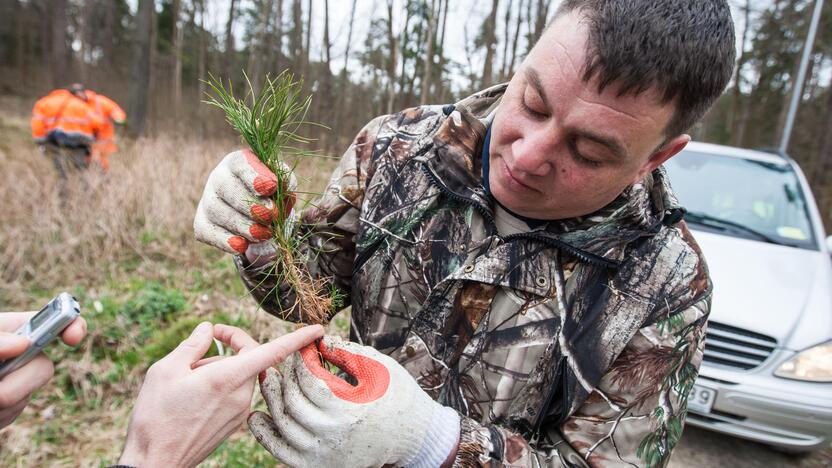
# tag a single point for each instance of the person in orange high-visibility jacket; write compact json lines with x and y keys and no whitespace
{"x":65,"y":126}
{"x":110,"y":113}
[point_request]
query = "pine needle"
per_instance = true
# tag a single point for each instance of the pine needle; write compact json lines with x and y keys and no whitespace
{"x":268,"y":123}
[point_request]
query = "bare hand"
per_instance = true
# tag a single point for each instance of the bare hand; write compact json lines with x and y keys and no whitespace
{"x":188,"y":405}
{"x":16,"y":388}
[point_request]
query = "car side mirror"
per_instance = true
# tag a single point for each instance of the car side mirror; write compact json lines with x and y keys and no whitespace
{"x":829,"y":244}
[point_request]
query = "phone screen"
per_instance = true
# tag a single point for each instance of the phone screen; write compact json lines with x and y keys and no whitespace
{"x":40,"y":318}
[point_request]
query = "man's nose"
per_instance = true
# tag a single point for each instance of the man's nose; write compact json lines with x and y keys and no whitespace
{"x":533,"y":155}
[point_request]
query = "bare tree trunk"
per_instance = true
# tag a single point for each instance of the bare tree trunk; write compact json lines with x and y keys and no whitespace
{"x":441,"y":70}
{"x":426,"y":73}
{"x":107,"y":35}
{"x":307,"y":41}
{"x":349,"y":40}
{"x":140,"y":68}
{"x":392,"y":59}
{"x":59,"y":51}
{"x":277,"y":41}
{"x":176,"y":40}
{"x":490,"y":44}
{"x":229,"y":53}
{"x":324,"y":104}
{"x":203,"y":44}
{"x":21,"y":40}
{"x":417,"y":67}
{"x":736,"y":103}
{"x":342,"y":84}
{"x":296,"y":39}
{"x":84,"y":34}
{"x":258,"y":46}
{"x":403,"y":48}
{"x":507,"y":29}
{"x":326,"y":79}
{"x":542,"y":15}
{"x":326,"y":45}
{"x":515,"y":40}
{"x":529,"y":31}
{"x":151,"y":87}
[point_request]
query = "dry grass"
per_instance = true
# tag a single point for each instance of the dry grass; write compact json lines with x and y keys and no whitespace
{"x":130,"y":226}
{"x":140,"y":213}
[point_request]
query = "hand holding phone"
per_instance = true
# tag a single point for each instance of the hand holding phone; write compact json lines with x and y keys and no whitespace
{"x":18,"y":385}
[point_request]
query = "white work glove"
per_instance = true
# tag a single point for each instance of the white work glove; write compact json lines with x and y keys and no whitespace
{"x":236,"y":211}
{"x":319,"y":419}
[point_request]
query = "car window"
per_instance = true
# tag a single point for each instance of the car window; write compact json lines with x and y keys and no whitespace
{"x":750,"y":199}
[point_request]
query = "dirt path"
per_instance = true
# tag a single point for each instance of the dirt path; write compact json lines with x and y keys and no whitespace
{"x":701,"y":448}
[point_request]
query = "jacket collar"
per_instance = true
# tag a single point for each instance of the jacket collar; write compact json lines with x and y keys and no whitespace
{"x":639,"y":211}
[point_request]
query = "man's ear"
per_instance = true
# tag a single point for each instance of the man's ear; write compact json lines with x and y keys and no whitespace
{"x":665,"y":152}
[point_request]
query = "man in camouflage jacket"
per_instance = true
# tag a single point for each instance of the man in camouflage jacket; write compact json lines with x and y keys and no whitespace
{"x":571,"y":341}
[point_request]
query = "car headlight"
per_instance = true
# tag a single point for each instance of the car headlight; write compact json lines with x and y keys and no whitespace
{"x":811,"y":365}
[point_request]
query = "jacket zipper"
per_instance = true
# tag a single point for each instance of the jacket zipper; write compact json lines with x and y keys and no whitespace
{"x":459,"y":198}
{"x":586,"y":257}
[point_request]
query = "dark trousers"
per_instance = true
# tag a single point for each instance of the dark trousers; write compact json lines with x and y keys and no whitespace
{"x":68,"y":162}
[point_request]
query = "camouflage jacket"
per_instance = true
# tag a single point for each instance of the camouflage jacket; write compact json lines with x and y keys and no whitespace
{"x":573,"y":343}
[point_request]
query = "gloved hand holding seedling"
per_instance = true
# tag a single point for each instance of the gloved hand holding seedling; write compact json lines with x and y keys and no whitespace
{"x":249,"y":200}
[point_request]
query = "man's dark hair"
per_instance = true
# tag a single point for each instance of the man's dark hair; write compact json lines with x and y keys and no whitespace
{"x":78,"y":90}
{"x":682,"y":48}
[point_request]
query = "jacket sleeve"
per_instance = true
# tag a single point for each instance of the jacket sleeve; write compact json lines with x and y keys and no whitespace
{"x":113,"y":110}
{"x":327,"y":232}
{"x":634,"y":417}
{"x":39,"y":122}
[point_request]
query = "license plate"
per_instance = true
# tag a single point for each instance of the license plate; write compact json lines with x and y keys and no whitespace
{"x":701,"y":399}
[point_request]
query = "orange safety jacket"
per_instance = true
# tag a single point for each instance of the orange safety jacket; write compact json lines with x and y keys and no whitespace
{"x":63,"y":119}
{"x":109,"y":111}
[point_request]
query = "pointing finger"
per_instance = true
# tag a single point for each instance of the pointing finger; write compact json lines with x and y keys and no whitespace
{"x":250,"y":363}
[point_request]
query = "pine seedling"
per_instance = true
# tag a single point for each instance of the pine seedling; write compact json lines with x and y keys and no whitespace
{"x":268,"y":123}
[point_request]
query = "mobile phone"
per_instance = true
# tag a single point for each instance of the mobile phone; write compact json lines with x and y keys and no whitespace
{"x":44,"y":327}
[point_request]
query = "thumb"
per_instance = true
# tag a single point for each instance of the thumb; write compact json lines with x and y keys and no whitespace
{"x":12,"y":345}
{"x":195,"y":346}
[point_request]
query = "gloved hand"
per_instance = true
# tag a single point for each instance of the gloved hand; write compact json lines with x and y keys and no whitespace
{"x":319,"y":419}
{"x":236,"y":210}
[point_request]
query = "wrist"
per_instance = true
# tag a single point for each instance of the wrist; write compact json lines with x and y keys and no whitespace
{"x":449,"y":462}
{"x":132,"y":455}
{"x":139,"y":453}
{"x":441,"y":440}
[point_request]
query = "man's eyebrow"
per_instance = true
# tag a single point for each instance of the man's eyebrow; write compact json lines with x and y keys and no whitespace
{"x":533,"y":78}
{"x":614,"y":145}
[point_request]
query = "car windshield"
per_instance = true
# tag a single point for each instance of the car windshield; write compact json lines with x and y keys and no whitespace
{"x":742,"y":198}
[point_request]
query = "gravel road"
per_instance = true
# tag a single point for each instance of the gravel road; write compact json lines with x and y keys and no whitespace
{"x":700,"y":448}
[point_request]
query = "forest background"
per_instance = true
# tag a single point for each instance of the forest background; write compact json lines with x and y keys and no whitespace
{"x":122,"y":242}
{"x":365,"y":58}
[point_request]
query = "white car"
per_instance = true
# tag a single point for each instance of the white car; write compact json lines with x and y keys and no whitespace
{"x":767,"y":369}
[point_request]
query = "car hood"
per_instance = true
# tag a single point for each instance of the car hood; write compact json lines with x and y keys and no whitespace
{"x":766,"y":288}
